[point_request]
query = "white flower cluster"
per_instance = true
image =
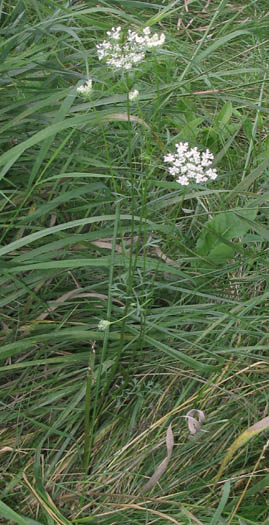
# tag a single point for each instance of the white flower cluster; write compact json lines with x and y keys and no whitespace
{"x":123,"y":51}
{"x":133,"y":94}
{"x":189,"y":164}
{"x":103,"y":325}
{"x":85,"y":89}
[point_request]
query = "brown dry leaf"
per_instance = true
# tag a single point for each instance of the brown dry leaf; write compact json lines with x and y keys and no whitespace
{"x":140,"y":507}
{"x":125,"y":117}
{"x":52,"y":219}
{"x":108,"y":245}
{"x":77,"y":292}
{"x":78,"y":246}
{"x":208,"y":91}
{"x":6,"y":449}
{"x":49,"y":507}
{"x":206,"y":6}
{"x":164,"y":464}
{"x":195,"y":425}
{"x":164,"y":257}
{"x":179,"y":22}
{"x":190,"y":515}
{"x":128,"y":241}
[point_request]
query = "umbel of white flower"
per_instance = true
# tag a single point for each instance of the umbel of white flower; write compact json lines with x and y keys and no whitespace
{"x":133,"y":94}
{"x":85,"y":89}
{"x":189,"y":165}
{"x":123,"y":51}
{"x":103,"y":325}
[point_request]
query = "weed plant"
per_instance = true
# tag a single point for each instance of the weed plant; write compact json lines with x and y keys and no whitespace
{"x":128,"y":299}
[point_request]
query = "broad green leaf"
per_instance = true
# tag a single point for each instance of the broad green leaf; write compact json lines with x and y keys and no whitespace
{"x":225,"y":114}
{"x":248,"y":128}
{"x":224,"y":227}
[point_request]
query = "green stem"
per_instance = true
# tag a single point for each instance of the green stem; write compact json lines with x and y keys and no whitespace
{"x":87,"y":425}
{"x":92,"y":423}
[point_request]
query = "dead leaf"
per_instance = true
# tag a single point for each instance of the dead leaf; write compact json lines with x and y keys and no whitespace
{"x":125,"y":117}
{"x":208,"y":91}
{"x":77,"y":292}
{"x":206,"y":6}
{"x":190,"y":515}
{"x":106,"y":243}
{"x":126,"y":506}
{"x":164,"y":464}
{"x":164,"y":257}
{"x":52,"y":219}
{"x":6,"y":449}
{"x":195,"y":425}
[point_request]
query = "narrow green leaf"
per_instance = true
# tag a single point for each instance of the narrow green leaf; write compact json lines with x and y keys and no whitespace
{"x":13,"y":154}
{"x":221,"y":42}
{"x":264,"y":232}
{"x":222,"y":503}
{"x":9,"y":514}
{"x":15,"y":245}
{"x":246,"y":183}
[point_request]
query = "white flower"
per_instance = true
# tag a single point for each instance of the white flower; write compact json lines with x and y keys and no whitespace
{"x":155,"y":41}
{"x":115,"y":33}
{"x":188,"y":164}
{"x":146,"y":31}
{"x":86,"y":88}
{"x":123,"y":51}
{"x":133,"y":94}
{"x":103,"y":325}
{"x":169,"y":158}
{"x":211,"y":174}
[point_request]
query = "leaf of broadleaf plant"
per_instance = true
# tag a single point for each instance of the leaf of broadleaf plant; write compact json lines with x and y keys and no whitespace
{"x":252,"y":431}
{"x":164,"y":464}
{"x":226,"y":226}
{"x":225,"y":114}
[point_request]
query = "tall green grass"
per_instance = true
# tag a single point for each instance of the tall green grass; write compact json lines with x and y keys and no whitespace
{"x":93,"y":228}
